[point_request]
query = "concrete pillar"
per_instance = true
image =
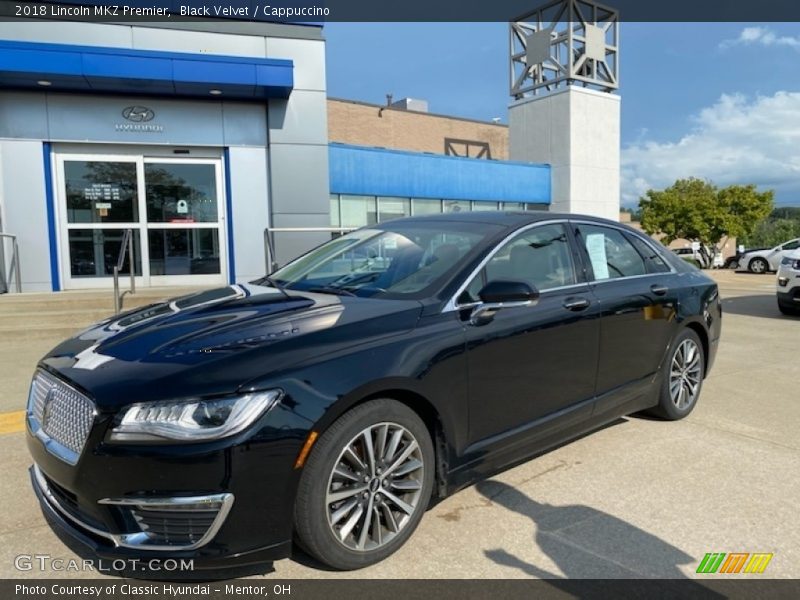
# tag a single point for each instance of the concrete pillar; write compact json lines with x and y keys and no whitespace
{"x":577,"y":131}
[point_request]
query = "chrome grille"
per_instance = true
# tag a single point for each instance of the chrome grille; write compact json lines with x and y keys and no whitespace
{"x":40,"y":387}
{"x":60,"y":416}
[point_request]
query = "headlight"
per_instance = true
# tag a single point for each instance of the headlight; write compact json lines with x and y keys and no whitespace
{"x":792,"y":263}
{"x":192,"y":420}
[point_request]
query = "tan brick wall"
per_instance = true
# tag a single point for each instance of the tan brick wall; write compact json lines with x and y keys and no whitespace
{"x":372,"y":125}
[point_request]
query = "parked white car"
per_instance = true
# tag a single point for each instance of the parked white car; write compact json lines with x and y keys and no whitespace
{"x":789,"y":284}
{"x":766,"y":260}
{"x":694,"y":256}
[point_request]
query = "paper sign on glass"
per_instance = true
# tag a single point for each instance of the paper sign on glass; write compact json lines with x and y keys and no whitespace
{"x":596,"y":247}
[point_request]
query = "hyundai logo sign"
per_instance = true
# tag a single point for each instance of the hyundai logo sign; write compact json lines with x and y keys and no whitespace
{"x":138,"y":114}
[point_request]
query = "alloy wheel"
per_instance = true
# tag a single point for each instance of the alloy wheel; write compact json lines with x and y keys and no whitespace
{"x":685,"y":375}
{"x":758,"y":266}
{"x":375,"y":486}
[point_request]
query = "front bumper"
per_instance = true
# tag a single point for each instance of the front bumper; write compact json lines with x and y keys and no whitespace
{"x":103,"y":544}
{"x":251,"y":476}
{"x":790,"y":298}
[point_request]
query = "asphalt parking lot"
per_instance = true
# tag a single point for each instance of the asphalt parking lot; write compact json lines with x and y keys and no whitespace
{"x":639,"y":498}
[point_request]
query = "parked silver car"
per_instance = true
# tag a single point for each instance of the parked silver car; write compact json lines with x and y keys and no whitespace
{"x":766,"y":260}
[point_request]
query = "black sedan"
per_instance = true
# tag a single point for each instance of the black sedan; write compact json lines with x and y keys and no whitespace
{"x":333,"y":401}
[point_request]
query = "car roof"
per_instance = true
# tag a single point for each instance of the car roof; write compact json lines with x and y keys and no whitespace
{"x":510,"y":219}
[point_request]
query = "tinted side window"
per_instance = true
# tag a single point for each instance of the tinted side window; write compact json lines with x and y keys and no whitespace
{"x":540,"y":256}
{"x":792,"y":245}
{"x":611,"y":255}
{"x":653,"y":260}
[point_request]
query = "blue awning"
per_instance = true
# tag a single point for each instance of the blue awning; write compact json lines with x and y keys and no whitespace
{"x":361,"y":170}
{"x":127,"y":71}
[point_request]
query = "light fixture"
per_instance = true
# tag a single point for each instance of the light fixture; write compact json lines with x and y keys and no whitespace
{"x":215,"y":92}
{"x":44,"y":83}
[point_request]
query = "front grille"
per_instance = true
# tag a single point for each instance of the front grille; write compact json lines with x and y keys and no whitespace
{"x":58,"y":413}
{"x":173,"y":528}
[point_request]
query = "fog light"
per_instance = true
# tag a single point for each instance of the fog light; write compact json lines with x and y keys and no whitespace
{"x":172,"y":523}
{"x":783,"y":281}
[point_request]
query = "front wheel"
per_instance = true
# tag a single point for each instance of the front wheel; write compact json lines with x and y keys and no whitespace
{"x":682,"y":377}
{"x":790,"y":311}
{"x":758,"y":265}
{"x":365,"y":486}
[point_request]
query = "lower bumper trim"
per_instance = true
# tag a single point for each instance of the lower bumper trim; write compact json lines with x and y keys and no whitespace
{"x":139,"y":540}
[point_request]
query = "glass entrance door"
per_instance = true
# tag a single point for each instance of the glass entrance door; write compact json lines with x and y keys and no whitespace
{"x":173,"y":206}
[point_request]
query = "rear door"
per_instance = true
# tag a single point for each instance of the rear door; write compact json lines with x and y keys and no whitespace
{"x":636,"y":294}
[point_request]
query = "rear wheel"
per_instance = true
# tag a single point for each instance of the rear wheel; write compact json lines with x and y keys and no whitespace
{"x":682,"y":377}
{"x":758,"y":265}
{"x":365,"y":486}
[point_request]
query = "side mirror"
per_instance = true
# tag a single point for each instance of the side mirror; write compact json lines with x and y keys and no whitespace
{"x":499,"y":294}
{"x":504,"y":291}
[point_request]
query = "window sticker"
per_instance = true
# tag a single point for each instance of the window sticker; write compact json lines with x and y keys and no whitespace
{"x":596,"y":247}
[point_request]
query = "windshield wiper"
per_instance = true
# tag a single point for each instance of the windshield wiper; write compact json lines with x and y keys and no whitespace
{"x":331,"y":290}
{"x":275,"y":284}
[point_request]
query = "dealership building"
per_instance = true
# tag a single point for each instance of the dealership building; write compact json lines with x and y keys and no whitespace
{"x":198,"y":136}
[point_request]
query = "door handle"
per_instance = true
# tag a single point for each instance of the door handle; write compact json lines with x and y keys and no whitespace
{"x":659,"y":290}
{"x":576,"y":304}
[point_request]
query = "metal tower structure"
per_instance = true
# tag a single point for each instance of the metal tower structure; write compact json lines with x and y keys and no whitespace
{"x":563,"y":43}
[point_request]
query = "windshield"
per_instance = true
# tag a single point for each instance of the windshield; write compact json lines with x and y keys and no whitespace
{"x":399,"y":261}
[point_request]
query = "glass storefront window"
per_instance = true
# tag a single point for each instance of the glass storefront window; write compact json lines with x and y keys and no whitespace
{"x":512,"y":206}
{"x":180,"y":193}
{"x":426,"y":207}
{"x":481,"y":205}
{"x":457,"y":206}
{"x":536,"y":207}
{"x":94,"y":252}
{"x":393,"y":208}
{"x":100,"y":191}
{"x":358,"y":211}
{"x":183,"y":251}
{"x":335,"y":220}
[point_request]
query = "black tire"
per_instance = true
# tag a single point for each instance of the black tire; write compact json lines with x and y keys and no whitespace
{"x":313,"y":514}
{"x":668,"y":407}
{"x":731,"y":263}
{"x":758,"y":265}
{"x":790,"y":311}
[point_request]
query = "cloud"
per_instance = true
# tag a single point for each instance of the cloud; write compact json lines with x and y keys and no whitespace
{"x":736,"y":140}
{"x":761,"y":36}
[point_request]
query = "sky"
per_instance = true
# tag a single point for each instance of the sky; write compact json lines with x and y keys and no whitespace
{"x":719,"y":101}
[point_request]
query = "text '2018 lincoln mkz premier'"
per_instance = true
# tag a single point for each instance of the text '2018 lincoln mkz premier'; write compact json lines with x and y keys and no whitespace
{"x":330,"y":403}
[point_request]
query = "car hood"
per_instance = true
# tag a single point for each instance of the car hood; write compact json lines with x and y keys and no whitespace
{"x":215,"y":342}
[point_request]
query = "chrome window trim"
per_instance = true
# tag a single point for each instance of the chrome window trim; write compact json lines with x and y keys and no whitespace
{"x":52,"y":446}
{"x":452,"y":304}
{"x":138,"y":540}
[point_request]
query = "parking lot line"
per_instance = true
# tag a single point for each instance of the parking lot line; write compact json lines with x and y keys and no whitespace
{"x":12,"y":422}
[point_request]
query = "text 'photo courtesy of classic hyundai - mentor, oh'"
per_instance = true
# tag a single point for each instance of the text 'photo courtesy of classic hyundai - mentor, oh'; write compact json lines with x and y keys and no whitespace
{"x":332,"y":402}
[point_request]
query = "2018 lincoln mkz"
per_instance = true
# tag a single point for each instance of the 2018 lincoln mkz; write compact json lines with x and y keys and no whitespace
{"x":332,"y":402}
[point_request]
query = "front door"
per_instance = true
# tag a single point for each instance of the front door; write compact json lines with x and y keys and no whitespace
{"x":517,"y":361}
{"x":173,"y":207}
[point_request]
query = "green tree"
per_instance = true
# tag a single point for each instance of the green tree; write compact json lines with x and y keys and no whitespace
{"x":698,"y":211}
{"x":771,"y":232}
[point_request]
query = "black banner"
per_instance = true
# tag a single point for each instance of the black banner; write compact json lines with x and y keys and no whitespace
{"x":264,"y":587}
{"x":321,"y":11}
